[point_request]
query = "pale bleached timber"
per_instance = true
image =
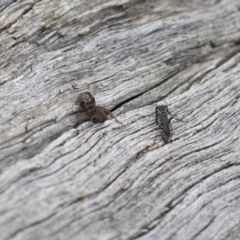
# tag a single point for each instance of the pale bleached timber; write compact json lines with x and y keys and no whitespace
{"x":62,"y":177}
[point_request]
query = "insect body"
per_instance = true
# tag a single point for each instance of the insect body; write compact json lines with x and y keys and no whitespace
{"x":88,"y":104}
{"x":95,"y":113}
{"x":164,"y":123}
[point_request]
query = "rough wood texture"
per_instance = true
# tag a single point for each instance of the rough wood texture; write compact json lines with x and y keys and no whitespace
{"x":62,"y":177}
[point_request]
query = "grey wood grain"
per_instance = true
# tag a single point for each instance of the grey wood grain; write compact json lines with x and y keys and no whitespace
{"x":62,"y":177}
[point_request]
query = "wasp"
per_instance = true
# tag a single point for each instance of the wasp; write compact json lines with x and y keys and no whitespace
{"x":94,"y":112}
{"x":164,"y":123}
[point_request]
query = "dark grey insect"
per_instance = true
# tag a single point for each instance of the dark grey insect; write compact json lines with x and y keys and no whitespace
{"x":164,"y":123}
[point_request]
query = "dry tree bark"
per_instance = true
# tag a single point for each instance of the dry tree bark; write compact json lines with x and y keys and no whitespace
{"x":62,"y":177}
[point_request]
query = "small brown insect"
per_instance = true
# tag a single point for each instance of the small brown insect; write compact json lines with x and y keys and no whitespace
{"x":94,"y":112}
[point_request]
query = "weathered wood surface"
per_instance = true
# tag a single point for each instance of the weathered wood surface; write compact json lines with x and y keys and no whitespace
{"x":62,"y":177}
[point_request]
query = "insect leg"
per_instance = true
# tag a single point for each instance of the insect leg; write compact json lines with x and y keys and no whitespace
{"x":91,"y":119}
{"x":111,"y":115}
{"x":155,"y":137}
{"x":173,"y":116}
